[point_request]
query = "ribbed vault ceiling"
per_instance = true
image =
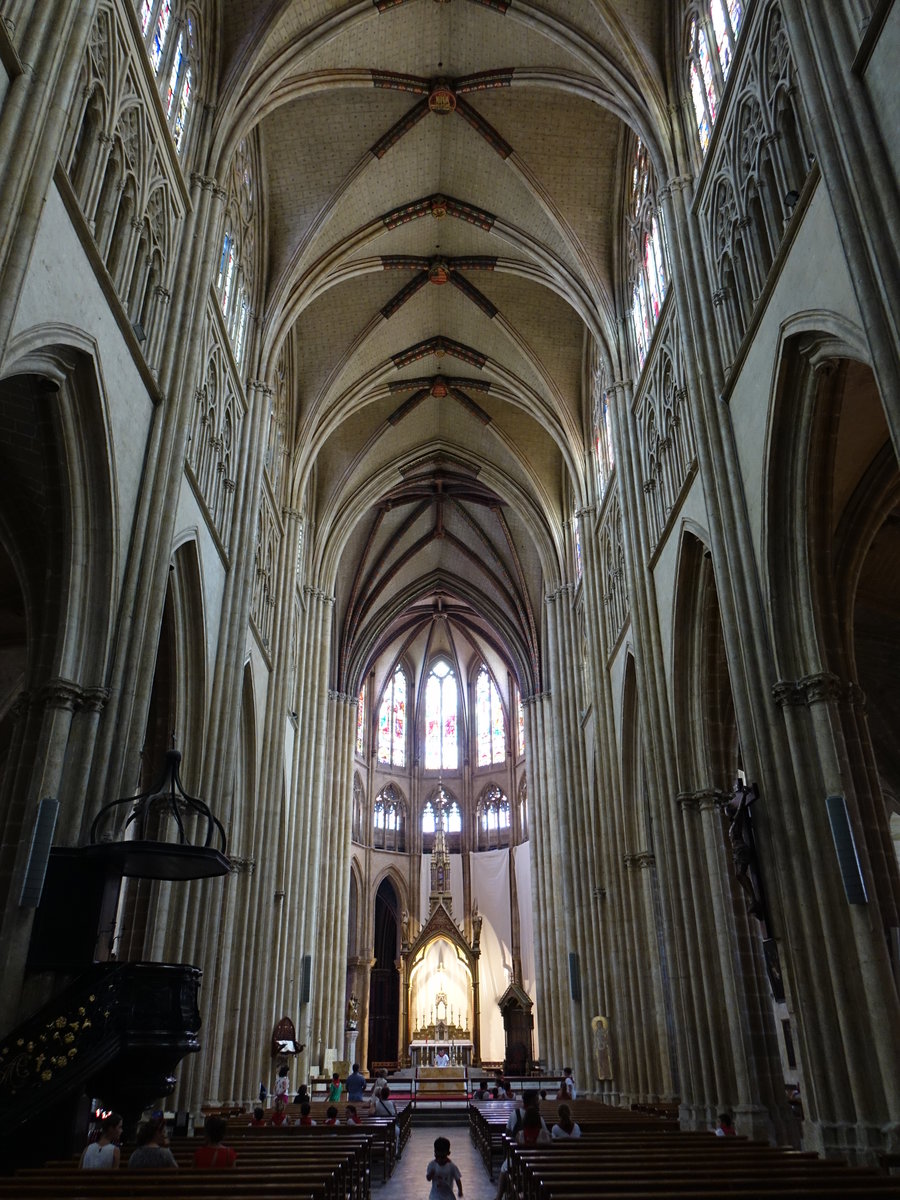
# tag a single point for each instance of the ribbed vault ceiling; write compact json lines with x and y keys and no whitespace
{"x":442,"y":208}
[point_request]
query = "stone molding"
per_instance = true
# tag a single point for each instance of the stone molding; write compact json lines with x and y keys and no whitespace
{"x":816,"y":689}
{"x":639,"y":860}
{"x":241,"y":865}
{"x":702,"y":799}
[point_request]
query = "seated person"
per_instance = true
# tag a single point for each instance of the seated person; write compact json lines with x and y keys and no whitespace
{"x":442,"y":1058}
{"x":385,"y":1107}
{"x":565,"y":1127}
{"x":533,"y":1131}
{"x":305,"y":1118}
{"x":351,"y":1117}
{"x":152,"y":1148}
{"x":279,"y":1116}
{"x":214,"y":1153}
{"x":104,"y":1152}
{"x":258,"y":1119}
{"x":725,"y":1125}
{"x":302,"y":1096}
{"x":331,"y":1115}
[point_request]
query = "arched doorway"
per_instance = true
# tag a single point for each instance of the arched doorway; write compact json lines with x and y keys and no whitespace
{"x":384,"y":986}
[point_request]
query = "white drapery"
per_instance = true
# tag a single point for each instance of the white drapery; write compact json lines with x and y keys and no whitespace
{"x":489,"y":874}
{"x":522,"y":867}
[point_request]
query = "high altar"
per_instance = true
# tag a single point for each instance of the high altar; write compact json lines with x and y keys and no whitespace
{"x":439,"y":996}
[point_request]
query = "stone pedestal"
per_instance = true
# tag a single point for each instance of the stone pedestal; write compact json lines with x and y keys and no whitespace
{"x":351,"y":1036}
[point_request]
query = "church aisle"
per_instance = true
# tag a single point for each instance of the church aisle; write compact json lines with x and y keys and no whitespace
{"x":408,"y":1181}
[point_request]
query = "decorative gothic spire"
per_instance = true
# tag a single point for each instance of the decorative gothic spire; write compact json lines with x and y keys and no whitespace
{"x":440,"y":858}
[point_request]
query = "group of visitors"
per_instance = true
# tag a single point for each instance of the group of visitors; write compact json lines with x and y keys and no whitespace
{"x":152,"y":1146}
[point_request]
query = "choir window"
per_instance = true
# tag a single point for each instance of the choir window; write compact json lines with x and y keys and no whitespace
{"x":392,"y":722}
{"x":489,"y":724}
{"x":441,"y":707}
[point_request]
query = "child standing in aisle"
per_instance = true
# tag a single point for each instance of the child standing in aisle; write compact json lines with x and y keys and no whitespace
{"x":442,"y":1173}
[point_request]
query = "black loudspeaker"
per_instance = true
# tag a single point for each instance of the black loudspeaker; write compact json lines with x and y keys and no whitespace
{"x":41,"y":841}
{"x":305,"y":978}
{"x":574,"y":977}
{"x":848,"y":859}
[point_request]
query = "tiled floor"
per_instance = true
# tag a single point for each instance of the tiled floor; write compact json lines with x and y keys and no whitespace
{"x":408,"y":1181}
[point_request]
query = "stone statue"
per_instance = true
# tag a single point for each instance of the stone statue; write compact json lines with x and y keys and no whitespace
{"x":404,"y":928}
{"x":353,"y":1011}
{"x":476,"y":925}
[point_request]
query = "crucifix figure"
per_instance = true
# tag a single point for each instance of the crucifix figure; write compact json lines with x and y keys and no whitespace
{"x":735,"y":808}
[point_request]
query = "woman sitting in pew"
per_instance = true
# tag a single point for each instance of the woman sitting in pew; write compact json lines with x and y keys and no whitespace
{"x":331,"y":1115}
{"x":305,"y":1118}
{"x":104,"y":1152}
{"x":214,"y":1154}
{"x":565,"y":1127}
{"x":152,"y":1148}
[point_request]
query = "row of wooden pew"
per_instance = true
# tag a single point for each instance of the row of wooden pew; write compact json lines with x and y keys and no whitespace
{"x":304,"y":1162}
{"x":642,"y":1157}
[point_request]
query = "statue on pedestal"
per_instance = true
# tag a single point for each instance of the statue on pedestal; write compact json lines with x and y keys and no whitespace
{"x":353,"y":1012}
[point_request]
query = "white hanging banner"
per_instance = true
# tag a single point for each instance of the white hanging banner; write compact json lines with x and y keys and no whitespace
{"x":489,"y":876}
{"x":522,"y":866}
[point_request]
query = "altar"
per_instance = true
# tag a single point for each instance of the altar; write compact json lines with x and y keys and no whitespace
{"x":422,"y":1053}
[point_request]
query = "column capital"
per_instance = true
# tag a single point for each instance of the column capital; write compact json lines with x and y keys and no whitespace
{"x":241,"y":865}
{"x":60,"y":693}
{"x":640,"y":860}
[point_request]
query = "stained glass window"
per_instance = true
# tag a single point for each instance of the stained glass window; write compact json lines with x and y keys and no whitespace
{"x":717,"y":23}
{"x":489,"y":727}
{"x":441,"y":701}
{"x":184,"y":104}
{"x":576,"y":529}
{"x":646,"y":253}
{"x":172,"y":89}
{"x":603,"y":443}
{"x":361,"y":721}
{"x":520,"y":725}
{"x":146,"y":14}
{"x":158,"y":45}
{"x":392,"y":721}
{"x":226,"y":271}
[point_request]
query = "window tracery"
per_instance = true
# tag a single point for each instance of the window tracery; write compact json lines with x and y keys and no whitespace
{"x":392,"y":721}
{"x":172,"y":45}
{"x":614,"y":590}
{"x":665,"y":433}
{"x":489,"y":723}
{"x":520,"y":725}
{"x":123,"y":180}
{"x":646,"y":272}
{"x":441,"y":711}
{"x":389,"y":820}
{"x":236,"y":276}
{"x":760,"y":166}
{"x":715,"y":23}
{"x":601,"y":424}
{"x":492,"y":819}
{"x":217,"y":418}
